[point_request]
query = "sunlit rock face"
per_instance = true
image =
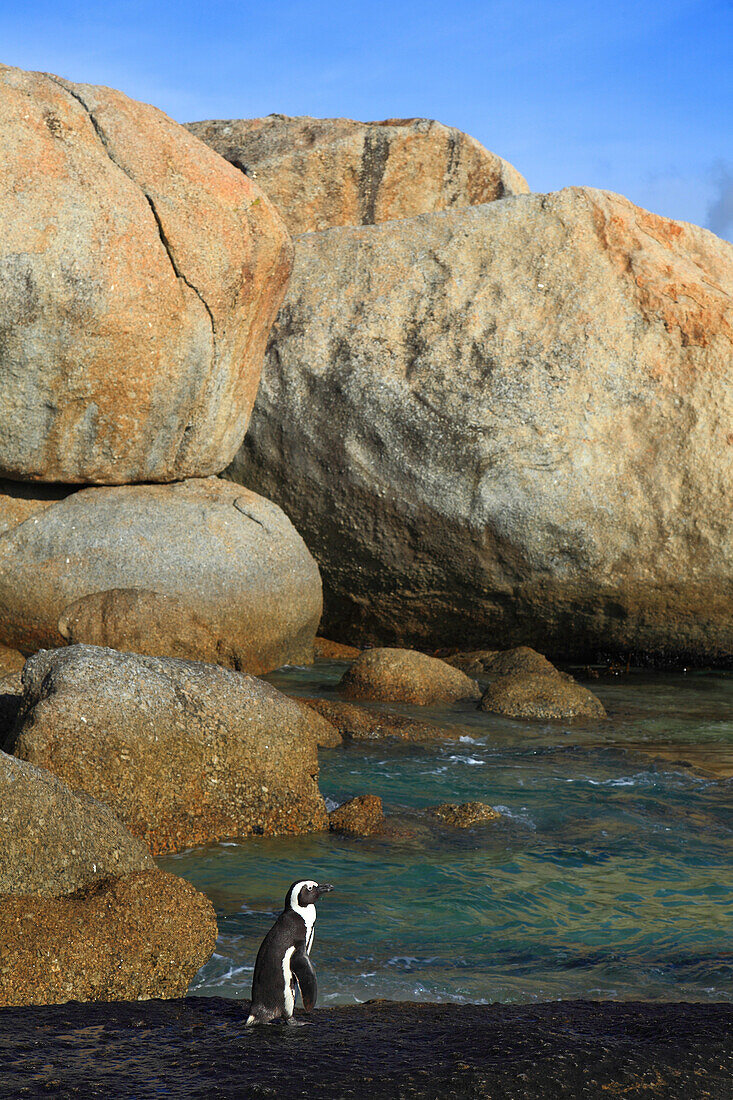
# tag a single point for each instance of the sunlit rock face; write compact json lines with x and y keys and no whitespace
{"x":139,"y":277}
{"x":323,"y":172}
{"x":509,"y":424}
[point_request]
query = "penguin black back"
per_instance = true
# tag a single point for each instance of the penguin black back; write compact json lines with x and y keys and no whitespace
{"x":283,"y":962}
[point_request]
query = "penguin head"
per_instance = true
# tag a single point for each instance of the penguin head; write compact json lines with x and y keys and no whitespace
{"x":306,"y":892}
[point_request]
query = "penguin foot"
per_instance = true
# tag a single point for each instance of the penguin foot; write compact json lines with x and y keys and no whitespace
{"x":292,"y":1022}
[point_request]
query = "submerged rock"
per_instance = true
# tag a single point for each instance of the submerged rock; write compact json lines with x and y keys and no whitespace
{"x":464,"y":815}
{"x":509,"y":422}
{"x":185,"y":753}
{"x":134,"y":321}
{"x":202,"y":569}
{"x":355,"y":723}
{"x":55,"y":840}
{"x":540,"y":696}
{"x":405,"y":676}
{"x":143,"y":935}
{"x":360,"y":816}
{"x":323,"y":172}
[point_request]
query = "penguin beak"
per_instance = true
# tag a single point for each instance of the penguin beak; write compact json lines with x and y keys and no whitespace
{"x":324,"y":888}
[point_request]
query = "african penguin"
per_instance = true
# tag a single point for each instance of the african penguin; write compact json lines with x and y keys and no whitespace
{"x":282,"y":960}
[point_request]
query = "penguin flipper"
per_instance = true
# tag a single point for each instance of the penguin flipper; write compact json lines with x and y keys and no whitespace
{"x":302,"y":968}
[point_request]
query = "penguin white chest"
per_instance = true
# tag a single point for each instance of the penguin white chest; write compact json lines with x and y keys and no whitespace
{"x":309,"y":917}
{"x":288,"y":982}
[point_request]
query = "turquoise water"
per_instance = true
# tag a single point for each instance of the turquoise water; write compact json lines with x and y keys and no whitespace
{"x":609,"y":875}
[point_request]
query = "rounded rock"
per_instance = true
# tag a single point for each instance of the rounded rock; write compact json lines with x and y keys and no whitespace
{"x":510,"y":424}
{"x":541,"y":697}
{"x":405,"y":676}
{"x":185,"y":753}
{"x":140,"y":275}
{"x":202,"y":569}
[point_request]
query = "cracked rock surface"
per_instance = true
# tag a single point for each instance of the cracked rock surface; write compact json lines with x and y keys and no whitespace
{"x":140,"y":276}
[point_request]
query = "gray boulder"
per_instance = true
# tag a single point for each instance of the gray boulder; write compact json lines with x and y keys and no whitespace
{"x":202,"y":569}
{"x":509,"y":424}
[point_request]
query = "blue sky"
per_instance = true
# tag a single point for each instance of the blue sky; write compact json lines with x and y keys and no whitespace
{"x":636,"y":97}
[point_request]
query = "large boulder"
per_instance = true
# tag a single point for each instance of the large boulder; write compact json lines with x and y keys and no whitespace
{"x":322,"y":172}
{"x":139,"y":277}
{"x":55,"y":840}
{"x":185,"y":753}
{"x":132,"y":938}
{"x":404,"y":676}
{"x":510,"y":422}
{"x":202,"y":569}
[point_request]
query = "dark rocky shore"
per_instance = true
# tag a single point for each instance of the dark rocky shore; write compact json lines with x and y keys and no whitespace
{"x":198,"y":1048}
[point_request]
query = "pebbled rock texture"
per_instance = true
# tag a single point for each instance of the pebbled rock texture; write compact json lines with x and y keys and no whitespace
{"x":360,"y":816}
{"x":541,"y":696}
{"x":323,"y":172}
{"x":139,"y":278}
{"x":464,"y":815}
{"x":132,"y":938}
{"x":404,"y":676}
{"x":184,"y":753}
{"x":202,"y":569}
{"x":510,"y":422}
{"x":55,"y":840}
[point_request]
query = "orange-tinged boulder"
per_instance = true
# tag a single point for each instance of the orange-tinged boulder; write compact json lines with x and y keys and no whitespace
{"x":404,"y":676}
{"x":510,"y":424}
{"x":139,"y":277}
{"x":322,"y":172}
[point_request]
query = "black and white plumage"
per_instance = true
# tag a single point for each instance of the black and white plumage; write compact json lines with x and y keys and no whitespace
{"x":283,"y":962}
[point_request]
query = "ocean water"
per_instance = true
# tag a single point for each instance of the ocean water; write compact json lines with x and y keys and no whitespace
{"x":610,"y":874}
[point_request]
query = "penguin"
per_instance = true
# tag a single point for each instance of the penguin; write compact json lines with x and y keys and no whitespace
{"x":282,"y":962}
